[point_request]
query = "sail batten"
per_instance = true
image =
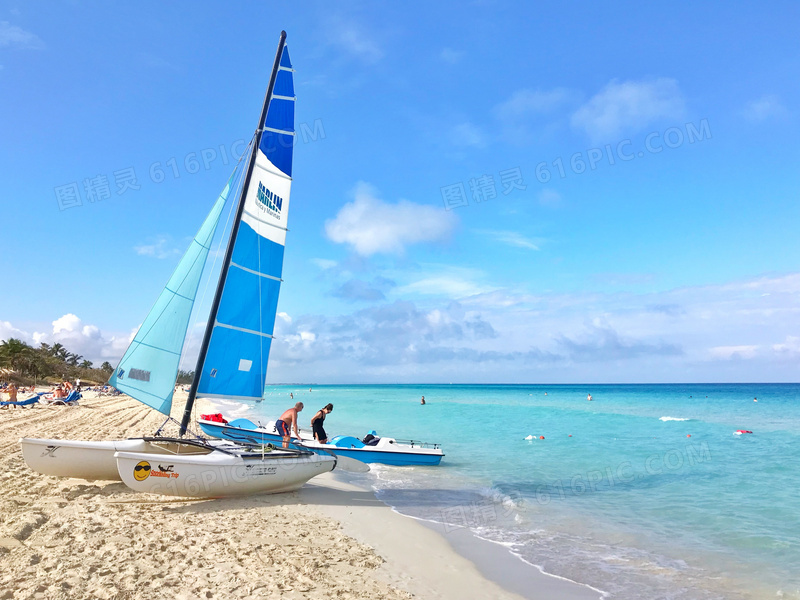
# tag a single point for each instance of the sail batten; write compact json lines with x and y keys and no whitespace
{"x":235,"y":361}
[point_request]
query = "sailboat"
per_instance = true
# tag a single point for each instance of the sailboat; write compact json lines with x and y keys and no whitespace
{"x":232,"y":361}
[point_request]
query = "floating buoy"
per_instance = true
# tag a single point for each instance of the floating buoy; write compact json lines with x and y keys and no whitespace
{"x":741,"y":431}
{"x":688,"y":435}
{"x":541,"y":437}
{"x":570,"y":435}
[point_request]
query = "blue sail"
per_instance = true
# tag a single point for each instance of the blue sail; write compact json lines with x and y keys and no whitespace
{"x":236,"y":362}
{"x":149,"y":367}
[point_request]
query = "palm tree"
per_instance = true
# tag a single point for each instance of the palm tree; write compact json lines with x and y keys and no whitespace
{"x":73,"y":359}
{"x":58,"y":351}
{"x":87,"y":364}
{"x":14,"y":353}
{"x":106,"y":366}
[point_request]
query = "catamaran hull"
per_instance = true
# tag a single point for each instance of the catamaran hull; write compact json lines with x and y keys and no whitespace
{"x":218,"y":474}
{"x":77,"y":458}
{"x":398,"y":455}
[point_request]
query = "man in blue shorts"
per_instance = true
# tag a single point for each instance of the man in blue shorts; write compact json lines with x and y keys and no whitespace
{"x":287,"y":422}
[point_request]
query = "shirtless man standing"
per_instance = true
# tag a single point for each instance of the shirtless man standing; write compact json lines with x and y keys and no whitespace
{"x":287,"y":422}
{"x":11,"y":390}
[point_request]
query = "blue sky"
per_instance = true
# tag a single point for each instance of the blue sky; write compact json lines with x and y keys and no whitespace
{"x":675,"y":258}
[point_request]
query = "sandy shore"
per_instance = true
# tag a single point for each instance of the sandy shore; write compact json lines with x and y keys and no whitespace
{"x":67,"y":538}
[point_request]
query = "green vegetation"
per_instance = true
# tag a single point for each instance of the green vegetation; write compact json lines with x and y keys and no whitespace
{"x":26,"y":364}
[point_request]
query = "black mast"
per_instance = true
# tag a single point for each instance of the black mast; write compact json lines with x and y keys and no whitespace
{"x":212,"y":317}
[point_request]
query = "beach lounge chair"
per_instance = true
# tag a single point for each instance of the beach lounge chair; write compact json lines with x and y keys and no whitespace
{"x":71,"y":399}
{"x":27,"y":402}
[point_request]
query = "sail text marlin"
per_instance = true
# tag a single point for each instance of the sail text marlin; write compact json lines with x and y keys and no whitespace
{"x":272,"y":203}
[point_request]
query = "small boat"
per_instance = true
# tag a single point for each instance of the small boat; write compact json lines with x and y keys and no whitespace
{"x":233,"y":354}
{"x":384,"y":450}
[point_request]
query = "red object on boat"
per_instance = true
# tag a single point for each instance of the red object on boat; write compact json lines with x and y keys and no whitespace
{"x":216,"y":417}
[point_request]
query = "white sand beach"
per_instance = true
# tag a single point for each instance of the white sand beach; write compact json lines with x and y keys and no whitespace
{"x":67,"y":538}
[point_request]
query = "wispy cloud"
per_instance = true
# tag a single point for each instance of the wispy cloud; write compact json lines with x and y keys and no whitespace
{"x":355,"y":41}
{"x":467,"y":135}
{"x":510,"y":238}
{"x":357,"y":290}
{"x":528,"y":110}
{"x":12,"y":36}
{"x":370,"y":225}
{"x":766,"y":107}
{"x":446,"y":281}
{"x":161,"y":248}
{"x":732,"y":352}
{"x":324,"y":263}
{"x":526,"y":102}
{"x":628,"y":107}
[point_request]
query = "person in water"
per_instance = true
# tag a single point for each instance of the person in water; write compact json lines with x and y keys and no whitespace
{"x":589,"y":397}
{"x":287,"y":422}
{"x":423,"y":400}
{"x":317,"y":421}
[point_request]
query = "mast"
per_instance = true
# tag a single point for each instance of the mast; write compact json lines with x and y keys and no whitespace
{"x":212,"y":317}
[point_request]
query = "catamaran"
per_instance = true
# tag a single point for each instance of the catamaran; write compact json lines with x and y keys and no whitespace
{"x":233,"y":357}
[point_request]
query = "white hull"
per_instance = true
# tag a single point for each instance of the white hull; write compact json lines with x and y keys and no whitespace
{"x":77,"y":458}
{"x":83,"y":459}
{"x":219,"y":474}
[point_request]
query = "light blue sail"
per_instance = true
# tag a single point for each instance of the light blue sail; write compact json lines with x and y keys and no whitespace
{"x":236,"y":362}
{"x":149,"y":367}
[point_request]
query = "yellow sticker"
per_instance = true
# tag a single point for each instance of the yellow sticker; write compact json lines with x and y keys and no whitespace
{"x":141,"y":471}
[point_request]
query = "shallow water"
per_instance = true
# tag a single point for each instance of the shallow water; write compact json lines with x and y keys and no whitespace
{"x":616,"y":495}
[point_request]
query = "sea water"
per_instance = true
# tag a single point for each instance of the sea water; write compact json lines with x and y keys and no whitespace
{"x":645,"y":492}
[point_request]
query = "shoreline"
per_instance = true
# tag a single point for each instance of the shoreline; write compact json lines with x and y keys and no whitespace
{"x":100,"y":539}
{"x":484,"y":568}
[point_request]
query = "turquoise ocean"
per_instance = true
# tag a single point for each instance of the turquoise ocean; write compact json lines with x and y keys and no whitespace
{"x":645,"y":492}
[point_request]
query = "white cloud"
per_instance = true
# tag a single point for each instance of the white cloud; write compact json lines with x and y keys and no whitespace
{"x":161,"y":248}
{"x":13,"y":36}
{"x":76,"y":336}
{"x":628,"y":107}
{"x":789,"y":348}
{"x":371,"y":226}
{"x":285,"y":317}
{"x":8,"y":331}
{"x":510,"y":335}
{"x":764,"y":108}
